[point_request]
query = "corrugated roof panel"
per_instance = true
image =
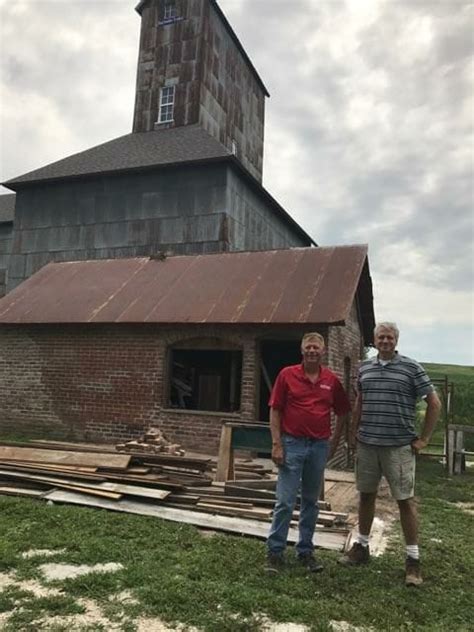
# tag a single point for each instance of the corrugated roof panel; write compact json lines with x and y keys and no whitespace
{"x":334,"y":299}
{"x":241,"y":284}
{"x":195,"y":292}
{"x":149,"y":289}
{"x":269,"y":286}
{"x":300,"y":285}
{"x":303,"y":287}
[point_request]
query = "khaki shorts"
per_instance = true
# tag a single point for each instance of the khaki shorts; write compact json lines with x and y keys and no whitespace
{"x":396,"y":464}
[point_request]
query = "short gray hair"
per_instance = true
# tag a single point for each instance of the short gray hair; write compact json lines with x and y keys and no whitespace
{"x":386,"y":325}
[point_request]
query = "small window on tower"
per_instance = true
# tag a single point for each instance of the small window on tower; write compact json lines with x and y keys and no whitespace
{"x":166,"y":105}
{"x":170,"y":11}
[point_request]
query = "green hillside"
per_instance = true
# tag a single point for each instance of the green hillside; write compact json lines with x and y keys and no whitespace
{"x":455,"y":372}
{"x":463,"y":379}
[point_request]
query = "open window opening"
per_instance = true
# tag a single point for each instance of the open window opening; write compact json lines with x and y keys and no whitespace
{"x":274,"y":355}
{"x":205,"y":379}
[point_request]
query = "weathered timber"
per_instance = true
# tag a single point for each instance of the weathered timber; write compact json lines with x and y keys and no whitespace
{"x":47,"y":481}
{"x":35,"y":455}
{"x":70,"y":446}
{"x":44,"y":469}
{"x":326,"y":540}
{"x":20,"y":491}
{"x":259,"y":484}
{"x":193,"y":463}
{"x":166,"y":484}
{"x":339,"y":476}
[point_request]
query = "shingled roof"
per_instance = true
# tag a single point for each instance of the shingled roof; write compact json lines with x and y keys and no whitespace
{"x":178,"y":145}
{"x":297,"y":286}
{"x":7,"y":208}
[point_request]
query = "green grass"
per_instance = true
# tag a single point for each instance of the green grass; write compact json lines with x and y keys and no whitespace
{"x":218,"y":583}
{"x":462,"y":378}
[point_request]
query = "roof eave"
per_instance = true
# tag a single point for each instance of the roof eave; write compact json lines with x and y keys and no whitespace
{"x":15,"y":185}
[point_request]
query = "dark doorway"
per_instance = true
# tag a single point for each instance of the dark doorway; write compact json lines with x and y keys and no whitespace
{"x":274,"y":355}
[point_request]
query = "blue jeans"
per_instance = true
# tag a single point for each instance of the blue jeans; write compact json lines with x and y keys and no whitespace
{"x":305,"y":460}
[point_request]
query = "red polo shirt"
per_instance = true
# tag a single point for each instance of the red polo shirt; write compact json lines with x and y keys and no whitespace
{"x":306,"y":407}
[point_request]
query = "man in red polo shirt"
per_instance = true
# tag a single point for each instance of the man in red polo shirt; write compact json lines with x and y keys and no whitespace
{"x":301,"y":402}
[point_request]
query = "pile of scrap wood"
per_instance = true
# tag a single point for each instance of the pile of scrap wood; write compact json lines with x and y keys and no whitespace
{"x":177,"y":488}
{"x":152,"y":441}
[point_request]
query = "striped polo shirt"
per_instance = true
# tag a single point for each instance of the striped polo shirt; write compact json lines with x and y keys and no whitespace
{"x":389,"y":394}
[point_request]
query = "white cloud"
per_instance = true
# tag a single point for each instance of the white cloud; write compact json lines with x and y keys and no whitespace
{"x":369,"y":130}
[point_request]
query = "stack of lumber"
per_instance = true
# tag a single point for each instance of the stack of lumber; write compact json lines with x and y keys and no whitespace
{"x":167,"y":486}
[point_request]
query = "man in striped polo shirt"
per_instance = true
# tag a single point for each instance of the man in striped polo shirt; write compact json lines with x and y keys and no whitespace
{"x":383,"y":422}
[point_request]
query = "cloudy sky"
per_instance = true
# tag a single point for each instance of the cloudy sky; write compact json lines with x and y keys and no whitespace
{"x":369,"y":129}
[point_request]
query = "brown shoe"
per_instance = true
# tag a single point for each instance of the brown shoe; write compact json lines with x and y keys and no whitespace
{"x":413,"y":572}
{"x":357,"y":555}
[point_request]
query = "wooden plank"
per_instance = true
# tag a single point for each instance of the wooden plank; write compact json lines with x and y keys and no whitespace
{"x":225,"y":461}
{"x":21,"y":491}
{"x":51,"y":466}
{"x":89,"y":490}
{"x":135,"y":490}
{"x":49,"y":444}
{"x":258,"y":483}
{"x":461,"y":428}
{"x":458,"y":452}
{"x":339,"y":476}
{"x":33,"y":468}
{"x":92,"y":488}
{"x":450,"y":450}
{"x":222,"y":510}
{"x":195,"y":462}
{"x":41,"y":455}
{"x":243,"y":492}
{"x":117,"y":488}
{"x":152,"y":481}
{"x":322,"y":539}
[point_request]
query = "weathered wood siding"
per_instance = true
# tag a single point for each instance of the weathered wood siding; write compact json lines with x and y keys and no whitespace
{"x":6,"y":231}
{"x":178,"y":210}
{"x":232,"y":102}
{"x":253,"y":222}
{"x":214,"y":83}
{"x":190,"y":210}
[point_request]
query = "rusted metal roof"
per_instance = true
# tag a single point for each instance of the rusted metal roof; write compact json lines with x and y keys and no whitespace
{"x":295,"y":286}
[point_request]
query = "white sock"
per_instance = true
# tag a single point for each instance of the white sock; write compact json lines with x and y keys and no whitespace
{"x":413,"y":551}
{"x":363,"y":539}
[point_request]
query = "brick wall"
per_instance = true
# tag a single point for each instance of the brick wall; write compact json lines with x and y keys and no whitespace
{"x":345,"y":347}
{"x":105,"y":383}
{"x":110,"y":382}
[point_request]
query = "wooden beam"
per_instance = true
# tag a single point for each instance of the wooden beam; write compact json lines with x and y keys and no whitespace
{"x":64,"y":457}
{"x":225,"y":462}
